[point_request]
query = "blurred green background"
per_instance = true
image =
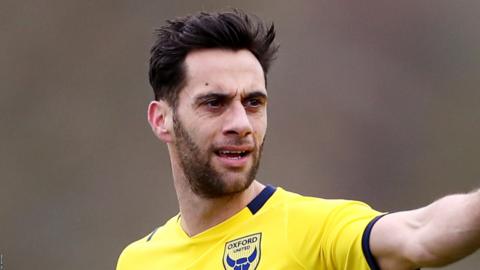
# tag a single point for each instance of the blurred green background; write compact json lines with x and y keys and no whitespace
{"x":369,"y":100}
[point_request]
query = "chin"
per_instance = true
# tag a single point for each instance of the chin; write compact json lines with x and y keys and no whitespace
{"x":231,"y":184}
{"x":238,"y":185}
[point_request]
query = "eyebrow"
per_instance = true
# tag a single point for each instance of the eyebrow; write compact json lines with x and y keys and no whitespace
{"x":204,"y":97}
{"x":222,"y":97}
{"x":255,"y":94}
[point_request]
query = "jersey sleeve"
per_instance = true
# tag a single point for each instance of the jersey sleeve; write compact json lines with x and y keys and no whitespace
{"x":128,"y":258}
{"x":327,"y":234}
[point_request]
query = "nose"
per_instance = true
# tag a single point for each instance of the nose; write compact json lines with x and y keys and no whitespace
{"x":237,"y":121}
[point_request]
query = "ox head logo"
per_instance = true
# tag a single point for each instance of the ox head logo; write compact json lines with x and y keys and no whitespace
{"x":242,"y":263}
{"x":243,"y":253}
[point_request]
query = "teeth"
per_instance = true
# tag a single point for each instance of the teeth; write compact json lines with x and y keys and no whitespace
{"x":232,"y":152}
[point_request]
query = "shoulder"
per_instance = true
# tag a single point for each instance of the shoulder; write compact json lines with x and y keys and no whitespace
{"x":134,"y":250}
{"x":328,"y":228}
{"x":299,"y":206}
{"x":323,"y":216}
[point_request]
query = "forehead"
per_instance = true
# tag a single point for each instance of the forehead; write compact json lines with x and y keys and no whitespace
{"x":224,"y":71}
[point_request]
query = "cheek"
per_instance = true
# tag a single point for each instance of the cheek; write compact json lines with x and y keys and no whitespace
{"x":260,"y":130}
{"x":203,"y":135}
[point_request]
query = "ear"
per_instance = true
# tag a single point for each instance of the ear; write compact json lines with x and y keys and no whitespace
{"x":160,"y":119}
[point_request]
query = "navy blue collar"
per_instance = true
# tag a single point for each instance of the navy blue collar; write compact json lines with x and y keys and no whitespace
{"x":257,"y":203}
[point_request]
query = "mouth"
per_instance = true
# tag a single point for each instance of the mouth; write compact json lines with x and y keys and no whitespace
{"x":234,"y":157}
{"x":232,"y":154}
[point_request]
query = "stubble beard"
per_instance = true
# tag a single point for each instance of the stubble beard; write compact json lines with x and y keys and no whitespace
{"x":203,"y":178}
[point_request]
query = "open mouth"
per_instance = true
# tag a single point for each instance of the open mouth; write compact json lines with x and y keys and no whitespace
{"x":232,"y":154}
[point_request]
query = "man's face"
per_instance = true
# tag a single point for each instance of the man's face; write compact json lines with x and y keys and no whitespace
{"x":220,"y":121}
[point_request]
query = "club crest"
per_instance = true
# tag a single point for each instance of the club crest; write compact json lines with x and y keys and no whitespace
{"x":243,"y":253}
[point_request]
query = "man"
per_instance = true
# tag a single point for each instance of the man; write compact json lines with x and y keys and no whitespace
{"x":208,"y":73}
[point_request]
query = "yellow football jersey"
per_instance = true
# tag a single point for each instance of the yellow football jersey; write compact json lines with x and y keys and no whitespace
{"x":277,"y":230}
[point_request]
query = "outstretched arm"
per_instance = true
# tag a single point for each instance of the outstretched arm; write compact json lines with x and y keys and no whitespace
{"x":438,"y":234}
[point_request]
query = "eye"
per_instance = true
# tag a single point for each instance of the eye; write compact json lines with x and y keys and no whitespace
{"x":213,"y":103}
{"x":254,"y":102}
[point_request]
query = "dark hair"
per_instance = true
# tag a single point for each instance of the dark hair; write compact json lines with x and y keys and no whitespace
{"x":230,"y":30}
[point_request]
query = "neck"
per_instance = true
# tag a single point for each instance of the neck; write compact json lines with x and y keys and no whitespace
{"x":199,"y":214}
